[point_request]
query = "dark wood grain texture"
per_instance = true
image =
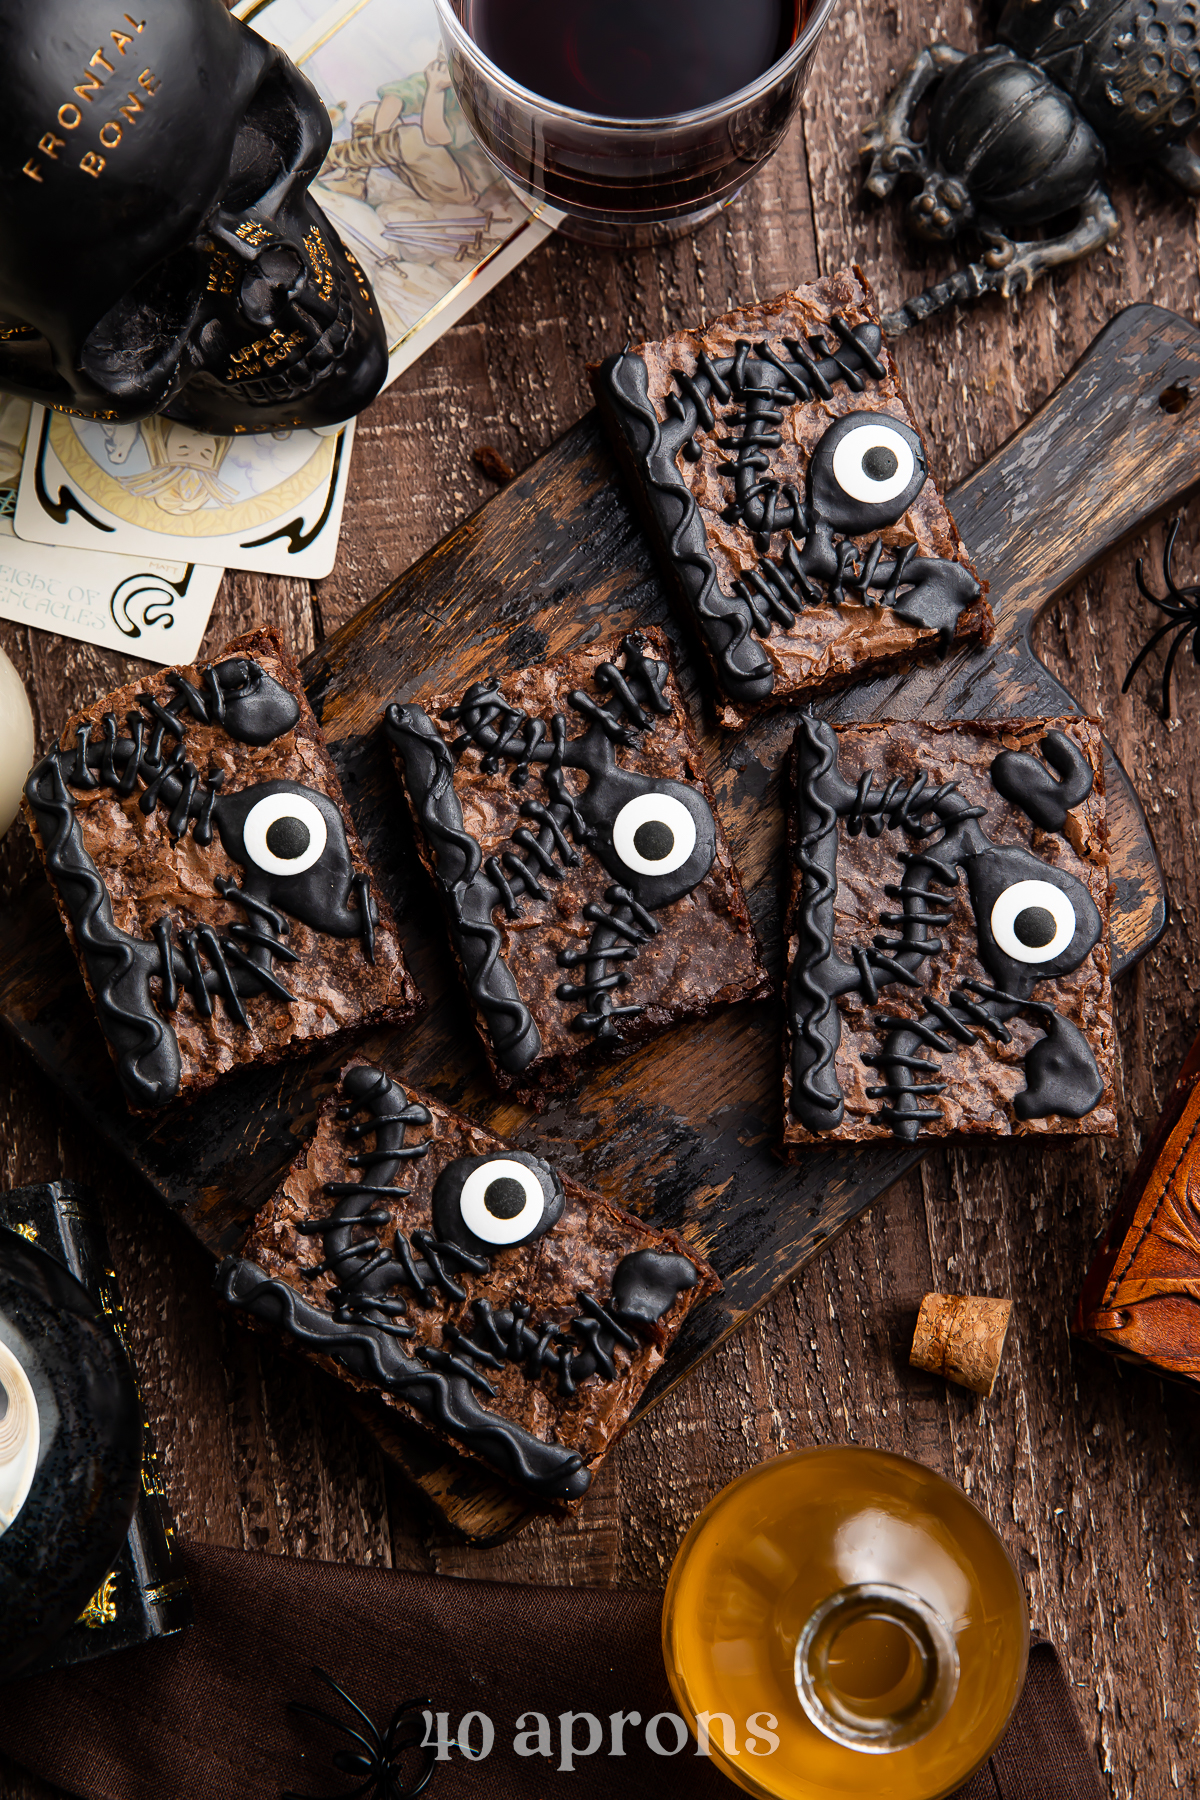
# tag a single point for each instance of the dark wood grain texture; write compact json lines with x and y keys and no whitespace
{"x":1088,"y":1470}
{"x":685,"y":1129}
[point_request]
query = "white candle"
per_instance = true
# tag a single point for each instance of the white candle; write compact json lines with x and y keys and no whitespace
{"x":16,"y":741}
{"x":20,"y":1435}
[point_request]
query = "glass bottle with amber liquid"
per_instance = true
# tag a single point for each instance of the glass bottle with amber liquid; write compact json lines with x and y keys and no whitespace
{"x":845,"y":1622}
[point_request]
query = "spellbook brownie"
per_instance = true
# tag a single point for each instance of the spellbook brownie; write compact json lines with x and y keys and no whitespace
{"x":590,"y":895}
{"x":948,"y":958}
{"x":515,"y":1314}
{"x":787,"y":487}
{"x":209,"y":875}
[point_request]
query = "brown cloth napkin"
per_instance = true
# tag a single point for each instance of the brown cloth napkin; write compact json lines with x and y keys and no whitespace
{"x":203,"y":1716}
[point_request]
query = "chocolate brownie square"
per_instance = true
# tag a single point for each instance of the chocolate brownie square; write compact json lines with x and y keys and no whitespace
{"x":564,"y":816}
{"x":209,"y":876}
{"x":787,"y":488}
{"x":948,"y":956}
{"x":511,"y":1311}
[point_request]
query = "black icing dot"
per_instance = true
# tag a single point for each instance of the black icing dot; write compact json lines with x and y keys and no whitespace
{"x":288,"y":838}
{"x":1034,"y":926}
{"x":654,"y":841}
{"x":504,"y":1197}
{"x":880,"y":463}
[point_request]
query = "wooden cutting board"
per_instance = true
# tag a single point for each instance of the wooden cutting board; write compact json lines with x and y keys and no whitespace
{"x":683,"y":1129}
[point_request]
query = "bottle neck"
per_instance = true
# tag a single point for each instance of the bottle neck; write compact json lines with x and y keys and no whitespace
{"x":876,"y":1667}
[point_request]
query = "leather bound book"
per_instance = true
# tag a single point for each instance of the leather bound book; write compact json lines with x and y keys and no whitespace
{"x":1141,"y":1296}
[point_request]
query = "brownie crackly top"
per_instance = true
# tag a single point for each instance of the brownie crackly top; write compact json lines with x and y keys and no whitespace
{"x":210,"y":878}
{"x":589,"y":890}
{"x":788,"y":488}
{"x":948,"y":956}
{"x":450,"y":1273}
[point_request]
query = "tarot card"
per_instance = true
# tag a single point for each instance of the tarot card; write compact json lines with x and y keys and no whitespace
{"x":148,"y":607}
{"x":270,"y":502}
{"x":281,"y":22}
{"x":406,"y":185}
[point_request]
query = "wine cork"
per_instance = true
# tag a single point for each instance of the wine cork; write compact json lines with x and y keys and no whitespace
{"x":961,"y":1336}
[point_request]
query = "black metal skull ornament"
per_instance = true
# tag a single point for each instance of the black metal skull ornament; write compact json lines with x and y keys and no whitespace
{"x":1020,"y":134}
{"x":159,"y":251}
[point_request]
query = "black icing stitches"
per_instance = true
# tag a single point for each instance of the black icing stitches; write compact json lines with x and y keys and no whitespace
{"x":310,"y":874}
{"x":802,"y":524}
{"x":478,"y":1210}
{"x":365,"y":1272}
{"x":657,"y":837}
{"x":865,"y":472}
{"x":1033,"y":922}
{"x":823,"y":800}
{"x":645,"y":1286}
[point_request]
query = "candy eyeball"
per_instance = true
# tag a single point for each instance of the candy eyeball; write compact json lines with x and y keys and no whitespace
{"x":873,"y":463}
{"x":502,"y":1202}
{"x":866,"y":471}
{"x":284,"y":834}
{"x":654,"y":834}
{"x":658,"y":837}
{"x":490,"y":1203}
{"x":1033,"y":921}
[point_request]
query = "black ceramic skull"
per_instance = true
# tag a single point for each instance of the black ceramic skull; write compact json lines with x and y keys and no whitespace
{"x":159,"y":251}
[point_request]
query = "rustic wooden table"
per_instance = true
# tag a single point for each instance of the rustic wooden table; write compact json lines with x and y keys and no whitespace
{"x":1089,"y":1471}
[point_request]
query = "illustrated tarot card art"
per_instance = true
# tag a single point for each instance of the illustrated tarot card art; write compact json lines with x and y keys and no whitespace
{"x":408,"y":188}
{"x":142,"y":607}
{"x":269,"y":501}
{"x":282,"y":22}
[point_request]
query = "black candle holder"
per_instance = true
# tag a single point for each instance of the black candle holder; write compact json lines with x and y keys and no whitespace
{"x":89,"y":1563}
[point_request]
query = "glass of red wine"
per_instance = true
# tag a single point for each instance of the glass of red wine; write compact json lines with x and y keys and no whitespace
{"x":637,"y":119}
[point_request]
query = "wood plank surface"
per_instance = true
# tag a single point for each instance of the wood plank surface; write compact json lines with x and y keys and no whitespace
{"x":685,"y":1130}
{"x":1089,"y":1470}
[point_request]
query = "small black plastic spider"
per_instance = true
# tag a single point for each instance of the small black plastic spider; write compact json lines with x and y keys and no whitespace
{"x":1182,"y":607}
{"x":378,"y":1760}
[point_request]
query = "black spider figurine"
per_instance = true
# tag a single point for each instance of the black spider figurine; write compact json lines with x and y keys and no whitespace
{"x":379,"y":1756}
{"x":1021,"y":133}
{"x":1182,"y":607}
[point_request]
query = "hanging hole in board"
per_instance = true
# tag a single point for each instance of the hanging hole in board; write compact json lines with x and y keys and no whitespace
{"x":1175,"y":398}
